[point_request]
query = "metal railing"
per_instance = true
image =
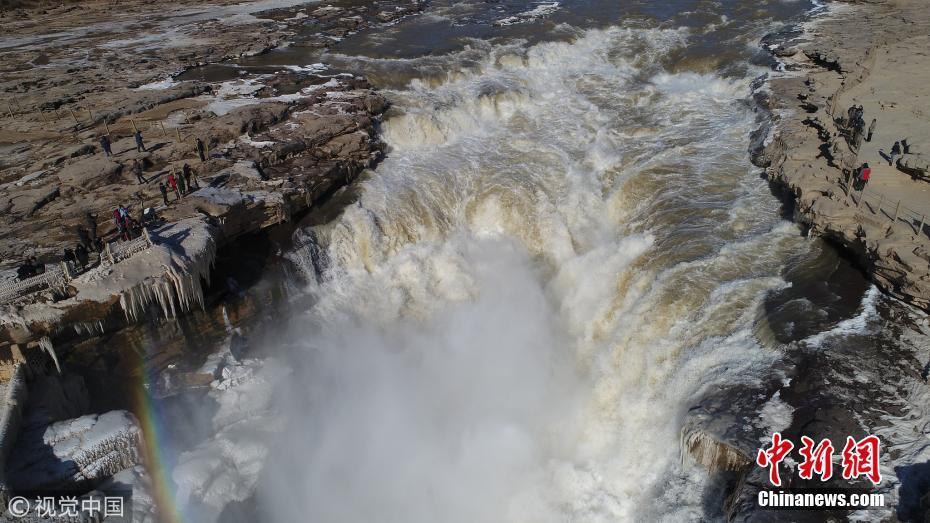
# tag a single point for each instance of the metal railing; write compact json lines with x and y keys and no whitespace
{"x":117,"y":252}
{"x":58,"y":276}
{"x":877,"y":204}
{"x":55,"y":276}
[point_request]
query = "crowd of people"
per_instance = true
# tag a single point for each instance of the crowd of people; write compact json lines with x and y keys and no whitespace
{"x":184,"y":183}
{"x":127,"y":228}
{"x":30,"y":268}
{"x":853,"y":128}
{"x":178,"y":183}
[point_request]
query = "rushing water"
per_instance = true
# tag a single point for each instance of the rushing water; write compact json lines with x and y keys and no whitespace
{"x":565,"y":255}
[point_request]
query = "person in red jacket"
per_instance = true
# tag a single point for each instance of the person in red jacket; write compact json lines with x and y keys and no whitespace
{"x":174,"y":184}
{"x":865,"y":173}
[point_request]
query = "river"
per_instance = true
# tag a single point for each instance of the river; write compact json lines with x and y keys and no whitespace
{"x":563,"y":288}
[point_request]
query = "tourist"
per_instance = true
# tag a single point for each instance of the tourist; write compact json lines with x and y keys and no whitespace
{"x":128,"y":227}
{"x":80,"y":253}
{"x":905,"y":147}
{"x":850,"y":116}
{"x":186,"y":173}
{"x":181,"y":185}
{"x":25,"y":271}
{"x":84,"y":238}
{"x":137,"y":169}
{"x":173,"y":183}
{"x":868,"y":137}
{"x":201,"y":150}
{"x":895,"y":153}
{"x":865,"y":173}
{"x":105,"y":145}
{"x":149,"y":217}
{"x":164,"y":192}
{"x":69,"y":255}
{"x":140,"y":147}
{"x":118,"y":220}
{"x":37,"y":268}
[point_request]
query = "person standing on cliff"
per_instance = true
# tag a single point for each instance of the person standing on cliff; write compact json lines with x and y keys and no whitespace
{"x":140,"y":147}
{"x":201,"y":150}
{"x":84,"y":238}
{"x":137,"y":169}
{"x":895,"y":153}
{"x":80,"y":253}
{"x":173,"y":183}
{"x":105,"y":145}
{"x":118,"y":221}
{"x":865,"y":174}
{"x":186,"y":173}
{"x":850,"y":116}
{"x":868,"y":137}
{"x":164,"y":192}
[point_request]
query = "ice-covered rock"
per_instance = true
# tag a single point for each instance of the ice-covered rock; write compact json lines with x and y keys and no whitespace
{"x":74,"y":453}
{"x":137,"y":485}
{"x":167,"y":275}
{"x":226,"y":467}
{"x":13,"y":396}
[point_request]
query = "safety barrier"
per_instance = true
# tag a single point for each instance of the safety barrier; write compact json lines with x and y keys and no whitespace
{"x":895,"y":212}
{"x":117,"y":252}
{"x":58,"y":276}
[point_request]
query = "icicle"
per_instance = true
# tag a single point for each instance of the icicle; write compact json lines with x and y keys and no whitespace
{"x":226,"y":321}
{"x":713,"y":454}
{"x":179,"y":286}
{"x":46,"y":344}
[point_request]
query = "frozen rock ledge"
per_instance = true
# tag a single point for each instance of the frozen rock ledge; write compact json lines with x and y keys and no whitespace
{"x":75,"y":453}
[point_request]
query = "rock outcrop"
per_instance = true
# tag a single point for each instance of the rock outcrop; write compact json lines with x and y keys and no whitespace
{"x":803,"y":146}
{"x":74,"y":454}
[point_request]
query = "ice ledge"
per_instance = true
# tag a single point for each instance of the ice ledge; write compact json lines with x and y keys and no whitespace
{"x":168,"y":275}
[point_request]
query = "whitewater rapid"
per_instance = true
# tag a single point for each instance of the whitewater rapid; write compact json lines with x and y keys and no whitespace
{"x":564,"y":250}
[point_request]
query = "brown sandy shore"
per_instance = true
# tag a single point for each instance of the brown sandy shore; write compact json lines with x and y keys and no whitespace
{"x":872,"y":53}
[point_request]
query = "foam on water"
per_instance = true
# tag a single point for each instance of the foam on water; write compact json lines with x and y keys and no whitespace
{"x":509,"y":324}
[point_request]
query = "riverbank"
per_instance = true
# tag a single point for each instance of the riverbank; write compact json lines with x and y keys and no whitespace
{"x":855,"y":53}
{"x":277,"y":144}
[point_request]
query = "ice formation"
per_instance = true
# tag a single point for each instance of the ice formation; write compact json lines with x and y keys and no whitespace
{"x":14,"y":394}
{"x":69,"y":453}
{"x":168,"y":274}
{"x":711,"y":453}
{"x":188,"y":263}
{"x":46,"y":344}
{"x":227,"y":467}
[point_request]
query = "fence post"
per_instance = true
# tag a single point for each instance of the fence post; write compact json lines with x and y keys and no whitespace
{"x":881,"y":200}
{"x":10,"y":108}
{"x":896,"y":209}
{"x":72,"y":115}
{"x":920,"y":230}
{"x":163,"y":131}
{"x":178,"y":130}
